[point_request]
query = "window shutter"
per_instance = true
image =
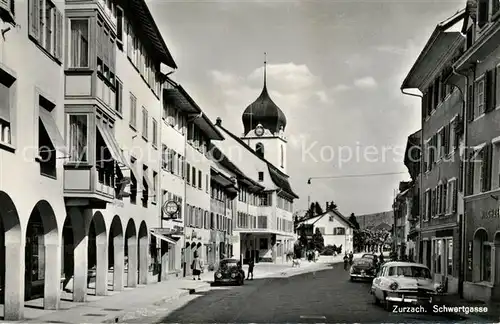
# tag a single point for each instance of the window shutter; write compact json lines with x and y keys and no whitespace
{"x":484,"y":168}
{"x":461,"y":176}
{"x":470,"y":174}
{"x":425,"y":102}
{"x":470,"y":104}
{"x":488,"y":89}
{"x":455,"y":197}
{"x":179,"y":213}
{"x":489,"y":166}
{"x":445,"y":198}
{"x":59,"y":35}
{"x":129,"y":41}
{"x":447,"y":139}
{"x":34,"y":18}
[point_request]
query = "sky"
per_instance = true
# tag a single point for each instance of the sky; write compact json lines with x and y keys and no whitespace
{"x":334,"y":68}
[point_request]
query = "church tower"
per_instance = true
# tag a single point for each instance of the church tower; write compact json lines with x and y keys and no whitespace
{"x":264,"y":126}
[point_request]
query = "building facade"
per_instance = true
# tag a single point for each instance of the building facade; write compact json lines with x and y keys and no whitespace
{"x":334,"y":227}
{"x":479,"y":67}
{"x":442,"y":104}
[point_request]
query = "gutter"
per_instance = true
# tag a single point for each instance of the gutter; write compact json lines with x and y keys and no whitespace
{"x":461,"y":222}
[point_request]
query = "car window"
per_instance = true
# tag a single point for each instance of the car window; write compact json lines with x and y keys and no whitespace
{"x":228,"y":264}
{"x":367,"y":256}
{"x":410,"y":272}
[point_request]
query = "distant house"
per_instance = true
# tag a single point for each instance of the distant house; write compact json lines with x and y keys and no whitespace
{"x":335,"y":228}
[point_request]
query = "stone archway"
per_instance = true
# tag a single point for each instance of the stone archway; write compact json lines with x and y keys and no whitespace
{"x":11,"y":260}
{"x":116,"y":253}
{"x":42,"y":256}
{"x":131,"y":253}
{"x":143,"y":254}
{"x":480,"y":237}
{"x":98,"y":253}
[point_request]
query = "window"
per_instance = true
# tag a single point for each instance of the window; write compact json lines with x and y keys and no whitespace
{"x":188,"y":173}
{"x":78,"y":141}
{"x":145,"y":186}
{"x":164,"y":156}
{"x":7,"y":96}
{"x":49,"y":138}
{"x":483,"y":7}
{"x":437,"y":256}
{"x":144,"y":123}
{"x":321,"y":230}
{"x":200,"y":179}
{"x":451,"y":198}
{"x":119,"y":96}
{"x":449,"y":259}
{"x":155,"y":133}
{"x":79,"y":43}
{"x":155,"y":186}
{"x":133,"y":184}
{"x":133,"y":111}
{"x":282,"y":156}
{"x":193,"y":175}
{"x":119,"y":26}
{"x":339,"y":231}
{"x":207,"y":183}
{"x":261,"y":176}
{"x":46,"y":24}
{"x":259,"y":149}
{"x":486,"y":262}
{"x":480,"y":98}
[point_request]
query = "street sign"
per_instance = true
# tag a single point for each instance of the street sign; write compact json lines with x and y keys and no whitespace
{"x":170,"y":207}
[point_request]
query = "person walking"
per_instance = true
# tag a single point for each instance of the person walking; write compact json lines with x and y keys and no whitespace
{"x":196,"y":267}
{"x":351,"y":257}
{"x":251,"y":264}
{"x":346,"y":262}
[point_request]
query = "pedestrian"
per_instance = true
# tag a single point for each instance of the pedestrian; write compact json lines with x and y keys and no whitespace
{"x":381,"y":258}
{"x":316,"y":255}
{"x":250,"y":269}
{"x":346,"y":261}
{"x":196,"y":267}
{"x":351,"y":257}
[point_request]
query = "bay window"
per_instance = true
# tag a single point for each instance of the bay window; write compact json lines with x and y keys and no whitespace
{"x":78,"y":43}
{"x":78,"y":138}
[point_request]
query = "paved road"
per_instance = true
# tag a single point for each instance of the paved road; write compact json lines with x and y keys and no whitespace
{"x":321,"y":297}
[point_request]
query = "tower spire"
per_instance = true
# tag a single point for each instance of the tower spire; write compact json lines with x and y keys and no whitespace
{"x":265,"y":68}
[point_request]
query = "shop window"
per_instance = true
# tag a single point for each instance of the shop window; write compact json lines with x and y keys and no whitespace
{"x":78,"y":138}
{"x":449,"y":262}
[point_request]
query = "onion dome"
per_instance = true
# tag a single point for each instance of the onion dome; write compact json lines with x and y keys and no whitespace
{"x":265,"y":112}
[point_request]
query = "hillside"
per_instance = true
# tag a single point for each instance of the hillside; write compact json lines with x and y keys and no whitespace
{"x":376,"y":219}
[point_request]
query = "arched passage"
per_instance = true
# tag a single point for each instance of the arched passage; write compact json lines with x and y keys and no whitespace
{"x":98,"y":255}
{"x":42,"y":256}
{"x":11,"y":260}
{"x":131,"y":253}
{"x":116,"y":253}
{"x":143,"y":253}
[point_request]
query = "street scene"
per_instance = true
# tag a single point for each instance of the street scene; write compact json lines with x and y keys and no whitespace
{"x":249,"y":161}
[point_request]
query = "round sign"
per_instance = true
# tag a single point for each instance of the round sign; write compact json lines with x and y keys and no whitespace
{"x":170,"y":207}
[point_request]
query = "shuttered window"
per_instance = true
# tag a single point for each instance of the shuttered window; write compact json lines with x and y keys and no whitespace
{"x":470,"y":104}
{"x":46,"y":26}
{"x":489,"y":90}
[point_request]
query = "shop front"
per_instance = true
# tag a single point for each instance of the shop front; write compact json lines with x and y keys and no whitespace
{"x":482,"y":248}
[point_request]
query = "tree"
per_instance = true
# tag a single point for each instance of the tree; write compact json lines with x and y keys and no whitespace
{"x":317,"y":242}
{"x":332,"y":206}
{"x":354,"y":221}
{"x":318,"y":209}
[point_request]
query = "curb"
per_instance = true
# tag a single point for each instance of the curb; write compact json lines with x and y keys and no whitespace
{"x":182,"y":293}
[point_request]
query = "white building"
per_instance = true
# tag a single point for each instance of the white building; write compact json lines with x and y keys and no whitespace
{"x":335,"y":228}
{"x":265,"y":202}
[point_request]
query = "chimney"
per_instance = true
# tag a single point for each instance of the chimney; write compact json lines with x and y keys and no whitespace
{"x":327,"y":206}
{"x":218,"y":121}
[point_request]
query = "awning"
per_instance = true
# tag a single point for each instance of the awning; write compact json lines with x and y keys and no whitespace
{"x":112,"y":145}
{"x":148,"y":182}
{"x":164,"y":238}
{"x":50,"y":126}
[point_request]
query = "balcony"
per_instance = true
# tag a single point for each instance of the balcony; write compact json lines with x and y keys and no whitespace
{"x":217,"y":207}
{"x":97,"y":171}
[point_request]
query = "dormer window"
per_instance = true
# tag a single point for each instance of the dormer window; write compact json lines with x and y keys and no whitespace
{"x":261,"y":176}
{"x":259,"y":149}
{"x":482,"y":12}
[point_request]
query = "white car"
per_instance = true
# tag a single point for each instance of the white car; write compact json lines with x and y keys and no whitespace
{"x":405,"y":283}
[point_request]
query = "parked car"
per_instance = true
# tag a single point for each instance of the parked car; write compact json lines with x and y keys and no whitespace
{"x":363,"y":268}
{"x":229,"y":272}
{"x":404,"y":283}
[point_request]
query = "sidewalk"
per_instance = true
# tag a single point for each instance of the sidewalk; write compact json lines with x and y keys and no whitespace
{"x":115,"y":306}
{"x":492,"y":316}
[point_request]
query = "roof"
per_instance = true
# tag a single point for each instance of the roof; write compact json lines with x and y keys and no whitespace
{"x":336,"y":212}
{"x":440,"y":42}
{"x":279,"y":178}
{"x":404,"y":264}
{"x":184,"y":101}
{"x":139,"y":9}
{"x":265,"y":112}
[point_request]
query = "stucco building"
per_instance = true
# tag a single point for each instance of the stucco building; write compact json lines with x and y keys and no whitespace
{"x":442,"y":105}
{"x":478,"y":71}
{"x":264,"y":209}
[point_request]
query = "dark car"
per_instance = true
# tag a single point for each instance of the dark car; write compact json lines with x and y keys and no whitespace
{"x":363,"y":268}
{"x":229,"y":272}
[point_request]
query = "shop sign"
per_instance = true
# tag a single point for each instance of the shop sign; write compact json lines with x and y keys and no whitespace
{"x":491,"y":214}
{"x":170,"y":208}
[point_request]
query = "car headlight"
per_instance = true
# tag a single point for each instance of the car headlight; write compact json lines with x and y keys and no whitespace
{"x":351,"y":270}
{"x":439,"y":288}
{"x":233,"y":275}
{"x":218,"y":275}
{"x":394,"y":286}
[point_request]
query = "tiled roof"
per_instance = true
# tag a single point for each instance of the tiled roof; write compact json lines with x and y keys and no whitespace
{"x":279,"y":178}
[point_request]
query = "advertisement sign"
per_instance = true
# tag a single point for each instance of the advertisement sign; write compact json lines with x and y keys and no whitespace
{"x":170,"y":208}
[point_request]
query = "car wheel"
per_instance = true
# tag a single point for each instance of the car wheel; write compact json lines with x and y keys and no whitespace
{"x":387,"y":304}
{"x":376,"y":301}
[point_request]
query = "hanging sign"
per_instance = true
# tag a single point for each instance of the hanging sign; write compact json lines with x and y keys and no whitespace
{"x":170,"y":208}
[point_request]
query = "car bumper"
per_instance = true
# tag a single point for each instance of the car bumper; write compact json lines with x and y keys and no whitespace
{"x":410,"y":300}
{"x":362,"y":275}
{"x":226,"y":281}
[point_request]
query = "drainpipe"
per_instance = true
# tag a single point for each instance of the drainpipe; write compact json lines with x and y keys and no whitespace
{"x":461,"y":221}
{"x":420,"y":185}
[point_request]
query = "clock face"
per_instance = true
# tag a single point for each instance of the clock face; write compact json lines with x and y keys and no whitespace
{"x":259,"y":131}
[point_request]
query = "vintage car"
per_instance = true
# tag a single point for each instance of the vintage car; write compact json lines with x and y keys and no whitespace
{"x":404,"y":283}
{"x":228,"y":272}
{"x":363,"y":268}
